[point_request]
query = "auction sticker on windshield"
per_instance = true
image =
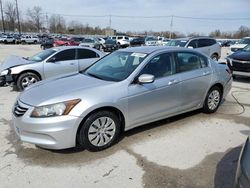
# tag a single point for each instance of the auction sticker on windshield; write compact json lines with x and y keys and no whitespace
{"x":138,"y":55}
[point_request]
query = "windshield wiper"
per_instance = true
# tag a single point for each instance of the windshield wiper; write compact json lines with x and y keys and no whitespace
{"x":95,"y":76}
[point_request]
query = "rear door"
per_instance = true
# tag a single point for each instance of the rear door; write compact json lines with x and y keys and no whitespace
{"x":63,"y":62}
{"x":195,"y":78}
{"x":86,"y":57}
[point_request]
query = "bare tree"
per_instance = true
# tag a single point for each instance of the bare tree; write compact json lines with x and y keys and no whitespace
{"x":36,"y":17}
{"x":10,"y":15}
{"x":57,"y":24}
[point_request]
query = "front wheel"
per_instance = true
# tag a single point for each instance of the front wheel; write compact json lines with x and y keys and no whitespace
{"x":214,"y":57}
{"x":100,"y":131}
{"x":213,"y":99}
{"x":26,"y":79}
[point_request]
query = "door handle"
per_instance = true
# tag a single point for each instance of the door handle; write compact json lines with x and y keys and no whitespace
{"x":171,"y":82}
{"x":72,"y":63}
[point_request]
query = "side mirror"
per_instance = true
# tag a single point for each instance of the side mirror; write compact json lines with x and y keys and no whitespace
{"x":146,"y":79}
{"x":52,"y":60}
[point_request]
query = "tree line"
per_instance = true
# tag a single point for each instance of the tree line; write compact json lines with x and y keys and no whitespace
{"x":35,"y":20}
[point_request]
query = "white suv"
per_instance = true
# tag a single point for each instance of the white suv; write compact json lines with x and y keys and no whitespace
{"x":122,"y":41}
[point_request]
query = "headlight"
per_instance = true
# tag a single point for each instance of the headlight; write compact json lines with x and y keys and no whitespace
{"x":5,"y":72}
{"x":53,"y":110}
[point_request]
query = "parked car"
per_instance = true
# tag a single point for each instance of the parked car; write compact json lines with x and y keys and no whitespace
{"x":110,"y":45}
{"x":48,"y":63}
{"x":240,"y":45}
{"x":7,"y":39}
{"x":47,"y":43}
{"x":122,"y":41}
{"x":206,"y":45}
{"x":242,"y":177}
{"x":125,"y":89}
{"x":140,"y":41}
{"x":90,"y":42}
{"x":239,"y":62}
{"x":151,"y":41}
{"x":29,"y":40}
{"x":61,"y":42}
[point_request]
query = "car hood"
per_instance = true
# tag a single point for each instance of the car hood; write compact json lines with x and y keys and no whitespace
{"x":241,"y":55}
{"x":59,"y":89}
{"x":13,"y":61}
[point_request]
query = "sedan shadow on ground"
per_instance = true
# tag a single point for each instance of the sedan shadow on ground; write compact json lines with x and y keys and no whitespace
{"x":226,"y":169}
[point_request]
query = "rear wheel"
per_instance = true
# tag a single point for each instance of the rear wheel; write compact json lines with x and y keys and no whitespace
{"x":100,"y":131}
{"x":26,"y":79}
{"x":215,"y":57}
{"x":212,"y":100}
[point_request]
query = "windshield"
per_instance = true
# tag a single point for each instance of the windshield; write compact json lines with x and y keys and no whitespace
{"x":244,"y":41}
{"x":116,"y":67}
{"x":42,"y":55}
{"x":179,"y":43}
{"x":247,"y":48}
{"x":151,"y":39}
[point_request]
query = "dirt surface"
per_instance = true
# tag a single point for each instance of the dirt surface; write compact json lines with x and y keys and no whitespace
{"x":192,"y":150}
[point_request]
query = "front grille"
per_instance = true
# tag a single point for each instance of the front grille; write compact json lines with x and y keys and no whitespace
{"x":245,"y":67}
{"x":19,"y":110}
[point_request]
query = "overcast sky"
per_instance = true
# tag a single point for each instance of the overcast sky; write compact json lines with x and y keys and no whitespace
{"x":185,"y":8}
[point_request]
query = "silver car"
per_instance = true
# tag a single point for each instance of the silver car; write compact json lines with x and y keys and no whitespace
{"x":46,"y":64}
{"x":123,"y":90}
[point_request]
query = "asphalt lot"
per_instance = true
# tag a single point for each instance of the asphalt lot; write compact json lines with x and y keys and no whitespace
{"x":190,"y":150}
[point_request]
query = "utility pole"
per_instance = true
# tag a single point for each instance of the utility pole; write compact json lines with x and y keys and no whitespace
{"x":171,"y":27}
{"x":19,"y":26}
{"x":109,"y":21}
{"x":2,"y":16}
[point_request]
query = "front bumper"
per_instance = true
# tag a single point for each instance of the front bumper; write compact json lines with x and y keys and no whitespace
{"x":52,"y":133}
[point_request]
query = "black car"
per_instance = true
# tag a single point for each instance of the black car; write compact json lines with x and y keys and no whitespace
{"x":47,"y":43}
{"x":239,"y":62}
{"x":110,"y":45}
{"x":242,"y":178}
{"x":138,"y":41}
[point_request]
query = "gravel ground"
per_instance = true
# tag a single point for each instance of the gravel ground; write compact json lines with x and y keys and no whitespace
{"x":190,"y":150}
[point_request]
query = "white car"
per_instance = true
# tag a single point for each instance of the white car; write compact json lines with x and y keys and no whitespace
{"x":7,"y":39}
{"x":122,"y":41}
{"x":29,"y":40}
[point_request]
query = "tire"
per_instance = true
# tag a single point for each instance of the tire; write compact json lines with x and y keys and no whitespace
{"x":23,"y":42}
{"x":215,"y":57}
{"x":212,"y":101}
{"x":99,"y":127}
{"x":26,"y":79}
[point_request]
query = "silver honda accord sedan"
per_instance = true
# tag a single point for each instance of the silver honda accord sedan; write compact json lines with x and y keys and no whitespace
{"x":123,"y":90}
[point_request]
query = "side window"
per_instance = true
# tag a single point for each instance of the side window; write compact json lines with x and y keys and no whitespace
{"x":65,"y":55}
{"x":119,"y":38}
{"x":160,"y":66}
{"x":193,"y":43}
{"x":205,"y":42}
{"x":85,"y":53}
{"x":188,"y":61}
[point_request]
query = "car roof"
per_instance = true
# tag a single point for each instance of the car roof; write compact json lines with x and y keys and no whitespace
{"x":152,"y":49}
{"x":189,"y":38}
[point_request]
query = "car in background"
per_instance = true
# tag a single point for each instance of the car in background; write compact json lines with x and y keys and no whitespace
{"x":91,"y":43}
{"x":242,"y":177}
{"x":122,"y":41}
{"x":110,"y":45}
{"x":6,"y":39}
{"x":123,"y":90}
{"x":46,"y":64}
{"x":61,"y":42}
{"x":47,"y":43}
{"x":239,"y":62}
{"x":206,"y":45}
{"x":29,"y":39}
{"x":139,"y":41}
{"x":240,"y":45}
{"x":151,"y":41}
